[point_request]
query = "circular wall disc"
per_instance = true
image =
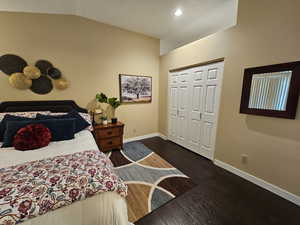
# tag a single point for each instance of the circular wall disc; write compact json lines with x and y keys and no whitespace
{"x":43,"y":65}
{"x":20,"y":81}
{"x":61,"y":84}
{"x":32,"y":72}
{"x":10,"y":64}
{"x":42,"y":85}
{"x":54,"y":73}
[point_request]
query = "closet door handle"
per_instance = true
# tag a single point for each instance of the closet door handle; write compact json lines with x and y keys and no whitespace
{"x":177,"y":112}
{"x":200,"y":116}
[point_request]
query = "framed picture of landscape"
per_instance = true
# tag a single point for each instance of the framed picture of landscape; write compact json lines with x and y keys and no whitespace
{"x":135,"y":89}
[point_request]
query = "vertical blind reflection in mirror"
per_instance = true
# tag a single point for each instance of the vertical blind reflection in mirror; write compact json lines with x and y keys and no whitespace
{"x":270,"y":90}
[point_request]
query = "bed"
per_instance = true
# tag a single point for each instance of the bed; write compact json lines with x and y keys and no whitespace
{"x":107,"y":208}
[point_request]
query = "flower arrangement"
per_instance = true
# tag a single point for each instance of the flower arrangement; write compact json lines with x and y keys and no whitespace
{"x":113,"y":104}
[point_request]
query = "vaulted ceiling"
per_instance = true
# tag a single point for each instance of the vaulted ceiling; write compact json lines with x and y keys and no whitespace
{"x":151,"y":17}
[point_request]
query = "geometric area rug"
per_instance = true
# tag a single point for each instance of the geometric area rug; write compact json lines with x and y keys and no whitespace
{"x":152,"y":181}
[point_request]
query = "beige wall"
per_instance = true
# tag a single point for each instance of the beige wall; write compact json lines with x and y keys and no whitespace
{"x":267,"y":33}
{"x":90,"y":54}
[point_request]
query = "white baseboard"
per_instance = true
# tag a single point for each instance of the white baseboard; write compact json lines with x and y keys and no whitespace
{"x":142,"y":137}
{"x":145,"y":136}
{"x":260,"y":182}
{"x":163,"y":136}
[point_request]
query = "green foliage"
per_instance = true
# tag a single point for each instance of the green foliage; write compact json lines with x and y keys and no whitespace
{"x":102,"y":98}
{"x":114,"y":102}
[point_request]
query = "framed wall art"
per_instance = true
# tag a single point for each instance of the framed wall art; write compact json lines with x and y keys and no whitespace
{"x":135,"y":89}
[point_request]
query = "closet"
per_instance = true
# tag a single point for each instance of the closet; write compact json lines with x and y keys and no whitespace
{"x":194,"y":98}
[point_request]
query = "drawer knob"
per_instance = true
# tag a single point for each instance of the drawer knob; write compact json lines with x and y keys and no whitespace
{"x":109,"y":132}
{"x":110,"y":142}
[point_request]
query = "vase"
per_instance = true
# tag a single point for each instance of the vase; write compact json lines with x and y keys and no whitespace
{"x":110,"y":112}
{"x":114,"y":120}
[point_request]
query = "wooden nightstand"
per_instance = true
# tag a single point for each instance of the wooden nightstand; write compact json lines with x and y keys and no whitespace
{"x":109,"y":137}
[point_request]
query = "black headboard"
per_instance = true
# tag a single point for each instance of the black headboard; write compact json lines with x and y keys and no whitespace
{"x":53,"y":106}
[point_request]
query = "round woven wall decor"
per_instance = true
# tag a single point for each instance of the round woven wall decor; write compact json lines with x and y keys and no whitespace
{"x":61,"y":84}
{"x":20,"y":81}
{"x":43,"y":65}
{"x":38,"y":78}
{"x":54,"y":73}
{"x":32,"y":72}
{"x":10,"y":64}
{"x":42,"y":85}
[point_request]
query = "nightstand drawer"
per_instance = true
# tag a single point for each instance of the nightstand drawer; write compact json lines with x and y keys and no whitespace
{"x":111,"y":132}
{"x":109,"y":137}
{"x":110,"y":142}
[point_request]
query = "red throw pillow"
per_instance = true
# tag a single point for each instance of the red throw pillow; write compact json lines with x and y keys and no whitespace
{"x":31,"y":137}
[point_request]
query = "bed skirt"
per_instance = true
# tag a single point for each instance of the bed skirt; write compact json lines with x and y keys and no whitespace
{"x":108,"y":208}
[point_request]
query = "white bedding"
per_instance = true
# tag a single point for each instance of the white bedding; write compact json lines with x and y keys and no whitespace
{"x":83,"y":141}
{"x":104,"y":209}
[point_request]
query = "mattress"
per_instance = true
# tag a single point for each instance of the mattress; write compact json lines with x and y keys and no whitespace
{"x":103,"y":209}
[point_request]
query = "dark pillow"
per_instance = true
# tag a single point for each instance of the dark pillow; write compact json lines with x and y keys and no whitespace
{"x":62,"y":129}
{"x":31,"y":137}
{"x":8,"y":117}
{"x":80,"y":123}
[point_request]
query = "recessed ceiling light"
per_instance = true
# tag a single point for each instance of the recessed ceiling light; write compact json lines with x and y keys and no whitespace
{"x":178,"y":12}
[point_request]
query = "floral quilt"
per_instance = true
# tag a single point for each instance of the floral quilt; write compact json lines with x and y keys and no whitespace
{"x":35,"y":188}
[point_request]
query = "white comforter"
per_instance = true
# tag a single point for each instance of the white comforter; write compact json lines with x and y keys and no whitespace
{"x":83,"y":141}
{"x":103,"y":209}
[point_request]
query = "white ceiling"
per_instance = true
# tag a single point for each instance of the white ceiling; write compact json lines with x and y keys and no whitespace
{"x":151,"y":17}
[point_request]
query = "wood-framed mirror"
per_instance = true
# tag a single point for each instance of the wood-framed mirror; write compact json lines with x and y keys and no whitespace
{"x":271,"y":90}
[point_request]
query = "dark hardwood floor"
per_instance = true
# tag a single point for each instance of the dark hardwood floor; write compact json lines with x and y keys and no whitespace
{"x":220,"y":198}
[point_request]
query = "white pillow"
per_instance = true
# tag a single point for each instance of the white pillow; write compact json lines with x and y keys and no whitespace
{"x":88,"y":119}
